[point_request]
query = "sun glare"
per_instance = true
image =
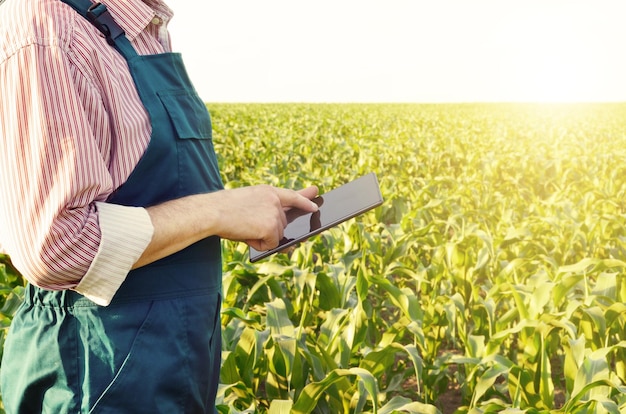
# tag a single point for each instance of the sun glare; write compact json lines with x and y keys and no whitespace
{"x":550,"y":60}
{"x":407,"y":51}
{"x":549,"y":78}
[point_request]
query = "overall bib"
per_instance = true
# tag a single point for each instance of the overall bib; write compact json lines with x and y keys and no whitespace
{"x":156,"y":348}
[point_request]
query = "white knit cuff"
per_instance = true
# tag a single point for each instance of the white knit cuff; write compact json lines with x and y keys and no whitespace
{"x":126,"y":232}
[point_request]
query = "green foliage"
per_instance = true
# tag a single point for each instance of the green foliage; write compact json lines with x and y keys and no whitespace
{"x":11,"y":294}
{"x":494,"y":272}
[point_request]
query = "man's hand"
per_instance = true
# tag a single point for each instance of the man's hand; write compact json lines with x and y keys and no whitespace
{"x":255,"y":215}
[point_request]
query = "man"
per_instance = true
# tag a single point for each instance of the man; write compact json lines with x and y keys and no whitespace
{"x":112,"y":207}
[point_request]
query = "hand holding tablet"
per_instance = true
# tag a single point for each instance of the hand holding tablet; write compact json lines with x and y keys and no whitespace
{"x":335,"y":207}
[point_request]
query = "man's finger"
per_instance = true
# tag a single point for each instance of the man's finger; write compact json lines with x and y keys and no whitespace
{"x":301,"y":200}
{"x":309,"y":192}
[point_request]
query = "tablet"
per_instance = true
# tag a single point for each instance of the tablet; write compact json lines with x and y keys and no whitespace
{"x":335,"y":206}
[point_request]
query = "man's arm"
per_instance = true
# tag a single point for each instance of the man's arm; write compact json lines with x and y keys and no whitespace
{"x":255,"y":215}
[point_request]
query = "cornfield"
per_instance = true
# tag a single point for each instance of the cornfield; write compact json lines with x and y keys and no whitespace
{"x":492,"y":279}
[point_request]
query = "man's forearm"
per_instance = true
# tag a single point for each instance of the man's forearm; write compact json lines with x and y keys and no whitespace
{"x":255,"y":215}
{"x":178,"y":224}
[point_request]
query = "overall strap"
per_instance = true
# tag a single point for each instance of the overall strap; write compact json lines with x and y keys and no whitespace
{"x":99,"y":16}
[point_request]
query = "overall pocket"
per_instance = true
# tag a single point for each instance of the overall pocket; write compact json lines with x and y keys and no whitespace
{"x":194,"y":141}
{"x":142,"y":348}
{"x":170,"y":365}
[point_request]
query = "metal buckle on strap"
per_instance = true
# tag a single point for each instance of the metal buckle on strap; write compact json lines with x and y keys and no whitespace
{"x":100,"y":17}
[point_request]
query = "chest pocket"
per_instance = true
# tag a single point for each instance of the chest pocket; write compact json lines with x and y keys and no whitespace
{"x":188,"y":114}
{"x":191,"y":124}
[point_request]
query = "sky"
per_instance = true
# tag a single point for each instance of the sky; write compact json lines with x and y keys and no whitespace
{"x":403,"y":50}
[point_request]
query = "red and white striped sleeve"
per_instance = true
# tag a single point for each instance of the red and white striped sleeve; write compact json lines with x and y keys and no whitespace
{"x":65,"y":147}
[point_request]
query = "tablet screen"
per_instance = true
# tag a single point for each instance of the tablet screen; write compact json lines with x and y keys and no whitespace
{"x":335,"y":206}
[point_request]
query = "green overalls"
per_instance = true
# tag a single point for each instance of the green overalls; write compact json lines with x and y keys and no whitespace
{"x":156,"y":347}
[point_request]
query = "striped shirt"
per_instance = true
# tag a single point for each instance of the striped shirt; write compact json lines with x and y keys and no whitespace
{"x":72,"y":128}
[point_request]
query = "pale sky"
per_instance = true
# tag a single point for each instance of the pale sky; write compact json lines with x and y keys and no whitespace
{"x":403,"y":50}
